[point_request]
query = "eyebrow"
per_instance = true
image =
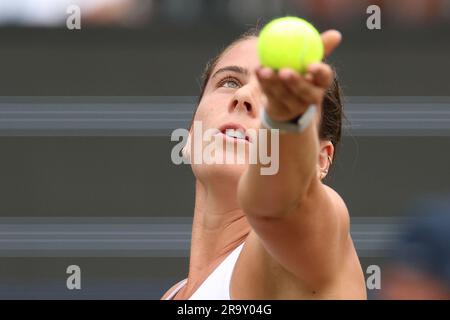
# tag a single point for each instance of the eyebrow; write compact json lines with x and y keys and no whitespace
{"x":236,"y":69}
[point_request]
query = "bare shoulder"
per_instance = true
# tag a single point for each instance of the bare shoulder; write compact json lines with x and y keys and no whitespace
{"x":341,"y":210}
{"x":260,"y":274}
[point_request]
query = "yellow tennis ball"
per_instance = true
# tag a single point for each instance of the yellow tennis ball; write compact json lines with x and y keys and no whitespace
{"x":289,"y":42}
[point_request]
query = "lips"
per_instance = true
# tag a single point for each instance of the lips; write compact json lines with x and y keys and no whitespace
{"x":234,"y":131}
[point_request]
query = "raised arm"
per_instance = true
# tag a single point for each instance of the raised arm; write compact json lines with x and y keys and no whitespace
{"x":302,"y":223}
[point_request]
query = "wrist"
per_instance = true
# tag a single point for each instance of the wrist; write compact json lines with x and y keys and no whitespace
{"x":297,"y":125}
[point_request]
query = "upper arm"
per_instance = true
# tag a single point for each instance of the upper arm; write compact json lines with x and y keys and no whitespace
{"x":311,"y":240}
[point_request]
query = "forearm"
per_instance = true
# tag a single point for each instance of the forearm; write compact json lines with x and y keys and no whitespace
{"x":273,"y":195}
{"x":289,"y":95}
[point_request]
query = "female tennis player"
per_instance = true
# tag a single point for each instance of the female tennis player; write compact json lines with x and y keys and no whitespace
{"x":278,"y":236}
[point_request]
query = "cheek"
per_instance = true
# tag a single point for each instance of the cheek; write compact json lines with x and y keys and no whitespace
{"x":201,"y":113}
{"x":208,"y":109}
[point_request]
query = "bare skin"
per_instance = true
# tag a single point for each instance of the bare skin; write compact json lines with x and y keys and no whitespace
{"x":295,"y":228}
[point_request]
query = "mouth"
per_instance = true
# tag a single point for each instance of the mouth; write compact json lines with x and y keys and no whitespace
{"x":234,"y":131}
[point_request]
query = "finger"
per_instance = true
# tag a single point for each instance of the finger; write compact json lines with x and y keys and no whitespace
{"x":280,"y":100}
{"x":265,"y":73}
{"x":322,"y":74}
{"x":265,"y":77}
{"x":302,"y":88}
{"x":331,"y":39}
{"x":279,"y":96}
{"x":308,"y":77}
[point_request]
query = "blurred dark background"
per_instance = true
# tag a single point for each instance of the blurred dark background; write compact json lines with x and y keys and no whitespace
{"x":145,"y":48}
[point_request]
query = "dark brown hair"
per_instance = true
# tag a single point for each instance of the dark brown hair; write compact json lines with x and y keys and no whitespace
{"x":332,"y":107}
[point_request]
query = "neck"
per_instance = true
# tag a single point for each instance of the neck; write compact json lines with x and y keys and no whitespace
{"x":219,"y":226}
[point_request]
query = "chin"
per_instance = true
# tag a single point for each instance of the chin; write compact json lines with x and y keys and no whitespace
{"x":224,"y":167}
{"x":221,"y":174}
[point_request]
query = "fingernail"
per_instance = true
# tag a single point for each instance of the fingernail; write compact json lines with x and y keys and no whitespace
{"x":284,"y":74}
{"x":265,"y":73}
{"x":313,"y":67}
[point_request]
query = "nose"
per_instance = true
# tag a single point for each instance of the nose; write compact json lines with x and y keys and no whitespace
{"x":244,"y":101}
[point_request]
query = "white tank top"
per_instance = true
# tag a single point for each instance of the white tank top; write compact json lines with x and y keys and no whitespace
{"x":217,"y":284}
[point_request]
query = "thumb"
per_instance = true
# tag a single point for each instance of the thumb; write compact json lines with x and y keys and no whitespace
{"x":331,"y":39}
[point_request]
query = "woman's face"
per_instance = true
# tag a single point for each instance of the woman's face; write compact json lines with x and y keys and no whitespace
{"x":231,"y":102}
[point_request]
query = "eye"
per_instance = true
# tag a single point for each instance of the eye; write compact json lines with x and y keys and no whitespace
{"x":230,"y":82}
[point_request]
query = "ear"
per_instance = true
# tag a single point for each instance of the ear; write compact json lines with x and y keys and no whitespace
{"x":325,"y":154}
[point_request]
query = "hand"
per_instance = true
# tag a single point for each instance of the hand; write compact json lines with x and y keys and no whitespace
{"x":289,"y":93}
